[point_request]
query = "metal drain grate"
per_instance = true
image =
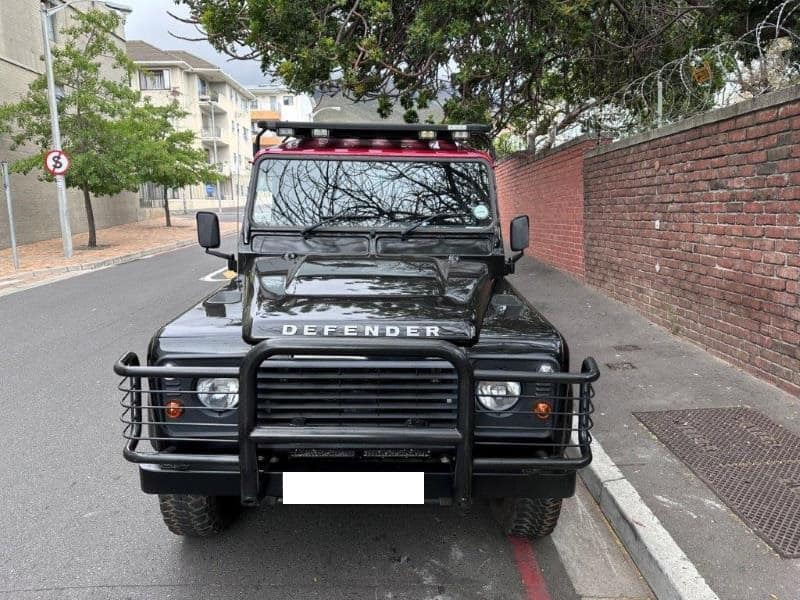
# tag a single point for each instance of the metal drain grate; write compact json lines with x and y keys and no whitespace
{"x":751,"y":463}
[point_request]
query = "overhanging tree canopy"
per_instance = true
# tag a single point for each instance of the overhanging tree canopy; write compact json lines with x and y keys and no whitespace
{"x":523,"y":65}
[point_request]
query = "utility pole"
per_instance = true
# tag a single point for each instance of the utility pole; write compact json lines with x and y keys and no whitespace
{"x":61,"y":188}
{"x":12,"y":232}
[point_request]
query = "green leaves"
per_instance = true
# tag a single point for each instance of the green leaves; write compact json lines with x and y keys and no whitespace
{"x":116,"y":141}
{"x":520,"y":64}
{"x":94,"y":110}
{"x":163,"y":155}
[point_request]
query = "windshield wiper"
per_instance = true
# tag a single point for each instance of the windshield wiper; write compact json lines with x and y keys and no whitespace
{"x":354,"y":216}
{"x":428,"y":219}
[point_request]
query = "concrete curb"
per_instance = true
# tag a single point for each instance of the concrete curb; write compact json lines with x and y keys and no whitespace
{"x":668,"y":571}
{"x":98,"y":264}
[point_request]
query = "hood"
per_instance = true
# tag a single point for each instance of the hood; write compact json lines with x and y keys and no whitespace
{"x":421,"y":297}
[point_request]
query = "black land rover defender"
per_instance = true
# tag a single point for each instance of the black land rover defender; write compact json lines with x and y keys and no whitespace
{"x":367,"y":348}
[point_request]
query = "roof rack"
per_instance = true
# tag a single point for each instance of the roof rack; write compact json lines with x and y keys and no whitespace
{"x":369,"y":131}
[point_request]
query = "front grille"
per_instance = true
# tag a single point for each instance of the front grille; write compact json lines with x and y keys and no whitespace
{"x":358,"y":392}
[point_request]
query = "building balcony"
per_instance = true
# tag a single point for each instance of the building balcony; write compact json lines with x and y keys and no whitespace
{"x":211,"y":136}
{"x":265,"y":115}
{"x":211,"y":102}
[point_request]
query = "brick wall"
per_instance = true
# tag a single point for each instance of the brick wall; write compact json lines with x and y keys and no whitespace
{"x":699,"y":229}
{"x":548,"y":188}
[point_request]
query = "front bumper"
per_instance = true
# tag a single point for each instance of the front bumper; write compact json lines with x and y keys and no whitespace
{"x":547,"y":469}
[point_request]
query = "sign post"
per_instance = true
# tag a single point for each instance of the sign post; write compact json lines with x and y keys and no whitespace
{"x":61,"y":188}
{"x":7,"y":188}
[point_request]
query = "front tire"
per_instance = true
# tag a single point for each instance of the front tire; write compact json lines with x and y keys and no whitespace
{"x":197,"y":516}
{"x":527,"y":517}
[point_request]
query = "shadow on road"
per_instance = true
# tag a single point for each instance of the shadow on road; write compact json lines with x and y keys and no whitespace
{"x":357,"y":552}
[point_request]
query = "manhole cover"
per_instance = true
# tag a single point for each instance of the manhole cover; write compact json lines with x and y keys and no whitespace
{"x":621,"y":366}
{"x":627,"y":348}
{"x":751,"y":463}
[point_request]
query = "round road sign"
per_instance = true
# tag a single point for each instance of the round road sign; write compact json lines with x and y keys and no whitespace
{"x":57,"y":162}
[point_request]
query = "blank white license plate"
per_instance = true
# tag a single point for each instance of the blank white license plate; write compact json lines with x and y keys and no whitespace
{"x":353,"y":488}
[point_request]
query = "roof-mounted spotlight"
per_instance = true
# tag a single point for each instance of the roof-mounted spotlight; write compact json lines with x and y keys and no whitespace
{"x":285,"y":131}
{"x":427,"y":134}
{"x":320,"y":133}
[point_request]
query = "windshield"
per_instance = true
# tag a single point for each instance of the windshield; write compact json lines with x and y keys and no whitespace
{"x":369,"y":193}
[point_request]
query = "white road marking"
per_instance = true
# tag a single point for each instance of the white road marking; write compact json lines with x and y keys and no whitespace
{"x":211,"y":276}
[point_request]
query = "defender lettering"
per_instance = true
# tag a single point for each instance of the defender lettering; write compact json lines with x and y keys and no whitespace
{"x":362,"y":330}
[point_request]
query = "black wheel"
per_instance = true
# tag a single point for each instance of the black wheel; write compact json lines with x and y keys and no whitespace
{"x":197,"y":516}
{"x":527,"y":517}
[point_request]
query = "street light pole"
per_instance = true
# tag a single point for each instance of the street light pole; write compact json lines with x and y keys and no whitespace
{"x":63,"y":209}
{"x":216,"y":156}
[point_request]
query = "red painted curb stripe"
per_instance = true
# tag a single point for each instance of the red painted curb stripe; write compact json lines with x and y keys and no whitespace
{"x":529,"y":571}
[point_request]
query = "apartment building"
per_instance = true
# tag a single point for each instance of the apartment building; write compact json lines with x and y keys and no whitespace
{"x":218,"y":111}
{"x":276,"y":102}
{"x":35,"y":205}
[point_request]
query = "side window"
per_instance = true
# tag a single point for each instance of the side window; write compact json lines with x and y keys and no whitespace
{"x":154,"y":79}
{"x":288,"y":100}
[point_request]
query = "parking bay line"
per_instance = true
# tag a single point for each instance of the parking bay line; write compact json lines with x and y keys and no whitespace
{"x":211,"y":276}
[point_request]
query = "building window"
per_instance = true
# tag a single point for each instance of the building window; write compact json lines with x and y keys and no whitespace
{"x":288,"y":100}
{"x":273,"y":103}
{"x":154,"y":79}
{"x":202,"y":86}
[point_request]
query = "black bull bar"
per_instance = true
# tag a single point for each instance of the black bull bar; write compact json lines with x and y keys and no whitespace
{"x":251,"y":436}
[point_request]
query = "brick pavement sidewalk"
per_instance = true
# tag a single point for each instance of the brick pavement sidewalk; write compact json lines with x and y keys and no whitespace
{"x":45,"y":260}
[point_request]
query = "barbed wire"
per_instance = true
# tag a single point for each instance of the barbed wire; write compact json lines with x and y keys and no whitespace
{"x":765,"y":59}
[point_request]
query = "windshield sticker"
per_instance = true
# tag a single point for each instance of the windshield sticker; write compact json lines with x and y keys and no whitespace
{"x":480,"y":212}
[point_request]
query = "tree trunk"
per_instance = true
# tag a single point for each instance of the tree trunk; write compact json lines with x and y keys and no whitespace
{"x":87,"y":202}
{"x":166,"y":208}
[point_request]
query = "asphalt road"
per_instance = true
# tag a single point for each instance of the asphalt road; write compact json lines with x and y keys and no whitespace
{"x":74,"y":524}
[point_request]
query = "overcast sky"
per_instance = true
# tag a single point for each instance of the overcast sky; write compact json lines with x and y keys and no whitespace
{"x":150,"y":22}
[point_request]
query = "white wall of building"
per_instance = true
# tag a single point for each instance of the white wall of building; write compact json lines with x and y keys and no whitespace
{"x":218,"y":112}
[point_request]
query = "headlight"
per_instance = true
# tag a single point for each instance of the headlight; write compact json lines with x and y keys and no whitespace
{"x":218,"y":394}
{"x":498,"y":395}
{"x":546,"y":368}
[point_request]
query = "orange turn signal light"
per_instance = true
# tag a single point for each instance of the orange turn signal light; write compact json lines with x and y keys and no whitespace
{"x":542,"y":410}
{"x":174,"y":409}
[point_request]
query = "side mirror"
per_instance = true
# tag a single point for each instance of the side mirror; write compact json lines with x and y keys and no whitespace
{"x":207,"y":229}
{"x":208,"y":236}
{"x":520,"y":228}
